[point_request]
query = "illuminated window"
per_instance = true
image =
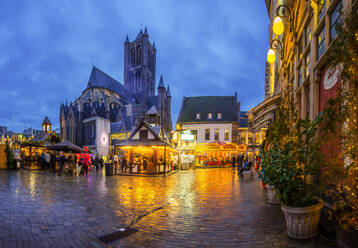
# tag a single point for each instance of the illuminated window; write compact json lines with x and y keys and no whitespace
{"x":300,"y":76}
{"x":320,"y":43}
{"x":335,"y":19}
{"x":307,"y":61}
{"x":216,"y":133}
{"x":207,"y":134}
{"x":198,"y":116}
{"x":210,"y":116}
{"x":220,"y":116}
{"x":307,"y":35}
{"x":226,"y":134}
{"x":322,"y":9}
{"x":300,"y":49}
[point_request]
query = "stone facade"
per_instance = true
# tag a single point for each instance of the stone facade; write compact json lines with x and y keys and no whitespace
{"x":125,"y":104}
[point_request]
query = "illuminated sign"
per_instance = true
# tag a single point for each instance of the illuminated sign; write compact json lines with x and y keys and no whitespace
{"x":120,"y":136}
{"x":187,"y":136}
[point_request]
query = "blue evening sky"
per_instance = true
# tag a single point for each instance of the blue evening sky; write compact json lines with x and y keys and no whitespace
{"x":204,"y":47}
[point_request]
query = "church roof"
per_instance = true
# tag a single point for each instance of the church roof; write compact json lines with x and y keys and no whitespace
{"x":168,"y":91}
{"x":203,"y":105}
{"x":140,"y":34}
{"x":161,"y":83}
{"x":99,"y":79}
{"x":153,"y":101}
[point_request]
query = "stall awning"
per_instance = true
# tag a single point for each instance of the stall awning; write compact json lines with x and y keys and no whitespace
{"x":66,"y":146}
{"x":143,"y":143}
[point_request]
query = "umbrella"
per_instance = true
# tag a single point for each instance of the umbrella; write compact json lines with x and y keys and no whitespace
{"x":66,"y":146}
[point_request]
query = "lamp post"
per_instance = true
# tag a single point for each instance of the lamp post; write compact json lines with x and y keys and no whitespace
{"x":282,"y":11}
{"x":275,"y":45}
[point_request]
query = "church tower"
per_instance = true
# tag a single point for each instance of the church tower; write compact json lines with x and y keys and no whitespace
{"x":139,"y":65}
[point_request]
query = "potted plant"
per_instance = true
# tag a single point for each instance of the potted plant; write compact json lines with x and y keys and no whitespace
{"x":292,"y":164}
{"x":267,"y":173}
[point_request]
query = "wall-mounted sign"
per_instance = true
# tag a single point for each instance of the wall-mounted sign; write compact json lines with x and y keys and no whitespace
{"x":331,"y":77}
{"x":120,"y":136}
{"x":187,"y":136}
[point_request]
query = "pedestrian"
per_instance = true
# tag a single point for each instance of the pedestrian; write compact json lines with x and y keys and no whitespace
{"x":101,"y":163}
{"x":53,"y":162}
{"x":47,"y":161}
{"x":124,"y":165}
{"x":96,"y":163}
{"x":116,"y":164}
{"x":233,"y":161}
{"x":82,"y":166}
{"x":42,"y":160}
{"x":144,"y":163}
{"x":86,"y":164}
{"x":61,"y":160}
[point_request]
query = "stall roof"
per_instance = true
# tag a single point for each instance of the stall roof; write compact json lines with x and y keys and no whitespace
{"x":143,"y":143}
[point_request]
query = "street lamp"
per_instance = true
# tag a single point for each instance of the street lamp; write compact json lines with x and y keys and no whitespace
{"x":275,"y":45}
{"x":282,"y":11}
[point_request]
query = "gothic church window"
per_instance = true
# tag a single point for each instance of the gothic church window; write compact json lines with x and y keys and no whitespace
{"x":139,"y":55}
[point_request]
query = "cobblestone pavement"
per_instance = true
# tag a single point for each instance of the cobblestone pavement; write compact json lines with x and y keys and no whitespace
{"x":200,"y":208}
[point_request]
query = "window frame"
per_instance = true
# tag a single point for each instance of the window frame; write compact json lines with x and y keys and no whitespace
{"x":207,"y":133}
{"x":321,"y":45}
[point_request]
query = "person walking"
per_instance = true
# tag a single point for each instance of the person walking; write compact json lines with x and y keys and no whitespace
{"x":124,"y":165}
{"x":47,"y":161}
{"x":61,"y":160}
{"x":116,"y":164}
{"x":101,"y":163}
{"x":53,"y":162}
{"x":86,"y":165}
{"x":96,"y":163}
{"x":233,"y":162}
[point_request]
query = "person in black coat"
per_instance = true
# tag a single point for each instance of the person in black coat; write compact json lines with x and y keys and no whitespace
{"x":61,"y":160}
{"x":233,"y":161}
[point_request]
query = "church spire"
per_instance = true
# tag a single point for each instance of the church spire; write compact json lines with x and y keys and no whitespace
{"x":161,"y":83}
{"x":145,"y":30}
{"x":168,"y":91}
{"x":127,"y":39}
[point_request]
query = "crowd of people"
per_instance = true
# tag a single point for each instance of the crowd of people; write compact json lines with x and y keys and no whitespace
{"x":70,"y":164}
{"x":245,"y":162}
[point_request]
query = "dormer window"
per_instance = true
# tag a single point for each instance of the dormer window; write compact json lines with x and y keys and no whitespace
{"x":197,"y":116}
{"x":210,"y":116}
{"x":220,"y":116}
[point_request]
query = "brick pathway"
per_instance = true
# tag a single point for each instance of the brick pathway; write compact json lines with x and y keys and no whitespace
{"x":200,"y":208}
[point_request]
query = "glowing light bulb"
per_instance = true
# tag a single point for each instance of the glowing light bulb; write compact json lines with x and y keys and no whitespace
{"x":278,"y":27}
{"x":271,"y":56}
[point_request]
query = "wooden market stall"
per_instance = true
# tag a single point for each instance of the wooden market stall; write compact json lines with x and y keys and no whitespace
{"x":146,"y":151}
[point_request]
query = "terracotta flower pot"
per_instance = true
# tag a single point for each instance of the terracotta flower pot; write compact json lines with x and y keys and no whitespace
{"x":346,"y":239}
{"x":272,"y":196}
{"x":302,"y":223}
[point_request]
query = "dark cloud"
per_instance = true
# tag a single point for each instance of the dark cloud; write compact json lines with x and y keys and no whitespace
{"x":47,"y":49}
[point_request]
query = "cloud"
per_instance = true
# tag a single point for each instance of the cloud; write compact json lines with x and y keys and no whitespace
{"x":48,"y":48}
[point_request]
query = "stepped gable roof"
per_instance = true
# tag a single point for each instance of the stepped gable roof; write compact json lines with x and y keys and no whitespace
{"x":99,"y":79}
{"x":203,"y":105}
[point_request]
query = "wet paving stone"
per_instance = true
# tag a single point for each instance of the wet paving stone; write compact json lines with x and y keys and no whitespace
{"x":196,"y":208}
